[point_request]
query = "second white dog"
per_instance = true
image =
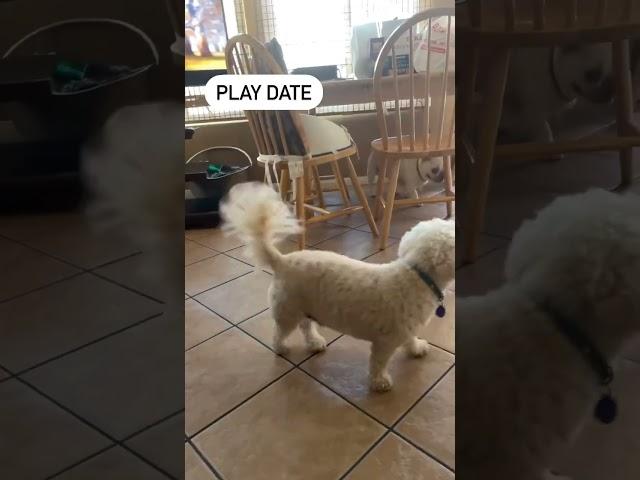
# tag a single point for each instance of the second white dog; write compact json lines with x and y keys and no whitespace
{"x":384,"y":304}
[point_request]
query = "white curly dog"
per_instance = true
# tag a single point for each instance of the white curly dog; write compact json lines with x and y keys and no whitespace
{"x":384,"y":304}
{"x":533,"y":357}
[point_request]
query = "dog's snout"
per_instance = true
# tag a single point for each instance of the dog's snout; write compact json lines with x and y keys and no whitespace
{"x":594,"y":75}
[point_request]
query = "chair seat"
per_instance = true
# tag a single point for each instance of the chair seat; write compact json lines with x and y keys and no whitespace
{"x":324,"y":136}
{"x":419,"y":151}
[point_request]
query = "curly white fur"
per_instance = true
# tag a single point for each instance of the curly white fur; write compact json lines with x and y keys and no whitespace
{"x":384,"y":304}
{"x":523,"y":388}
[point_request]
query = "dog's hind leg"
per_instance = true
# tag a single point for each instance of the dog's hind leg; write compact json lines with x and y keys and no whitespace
{"x":417,"y":347}
{"x":286,"y":322}
{"x":381,"y":352}
{"x":315,"y":341}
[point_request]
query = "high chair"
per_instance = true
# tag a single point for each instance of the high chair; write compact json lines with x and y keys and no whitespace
{"x":294,"y":145}
{"x":426,"y":101}
{"x":497,"y":27}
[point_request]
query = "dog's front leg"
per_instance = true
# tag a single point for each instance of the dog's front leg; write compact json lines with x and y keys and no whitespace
{"x":417,"y":347}
{"x":315,"y":341}
{"x":380,"y":378}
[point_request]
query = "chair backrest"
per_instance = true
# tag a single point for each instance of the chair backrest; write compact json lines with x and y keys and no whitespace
{"x":415,"y":90}
{"x":550,"y":15}
{"x":275,"y":132}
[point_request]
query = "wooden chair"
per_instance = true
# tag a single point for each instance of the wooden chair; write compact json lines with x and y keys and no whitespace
{"x":426,"y":98}
{"x":285,"y":134}
{"x":498,"y":26}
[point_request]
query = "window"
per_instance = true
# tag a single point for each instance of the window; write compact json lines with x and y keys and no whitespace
{"x":318,"y":32}
{"x":311,"y":33}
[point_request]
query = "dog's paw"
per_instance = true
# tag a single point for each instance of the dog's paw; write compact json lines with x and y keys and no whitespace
{"x":383,"y":383}
{"x":280,"y":348}
{"x":418,"y":348}
{"x":317,"y":345}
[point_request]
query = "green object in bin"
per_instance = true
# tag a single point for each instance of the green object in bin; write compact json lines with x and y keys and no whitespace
{"x":70,"y":71}
{"x":213,"y":169}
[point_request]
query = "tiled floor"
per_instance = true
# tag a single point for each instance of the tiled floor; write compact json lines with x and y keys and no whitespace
{"x":251,"y":414}
{"x":81,"y":353}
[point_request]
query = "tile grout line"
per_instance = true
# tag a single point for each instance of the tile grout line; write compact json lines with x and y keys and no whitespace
{"x":231,"y":325}
{"x":391,"y":429}
{"x":92,"y":426}
{"x":88,"y":344}
{"x":297,"y":367}
{"x":219,"y":285}
{"x":80,"y":462}
{"x":43,"y":287}
{"x":126,"y":287}
{"x":235,"y":407}
{"x":152,"y":425}
{"x":129,"y":437}
{"x":205,"y":460}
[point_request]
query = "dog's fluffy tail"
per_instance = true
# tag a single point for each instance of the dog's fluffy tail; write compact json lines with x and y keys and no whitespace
{"x":255,"y":213}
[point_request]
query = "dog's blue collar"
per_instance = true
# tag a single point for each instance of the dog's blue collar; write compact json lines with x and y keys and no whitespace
{"x":606,"y":409}
{"x":426,"y":278}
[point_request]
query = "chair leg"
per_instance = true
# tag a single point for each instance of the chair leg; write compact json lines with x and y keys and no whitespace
{"x":388,"y":209}
{"x":382,"y":172}
{"x":481,"y":173}
{"x":448,"y":184}
{"x":624,"y":106}
{"x":340,"y":183}
{"x":318,"y":188}
{"x":362,"y":197}
{"x":285,"y":184}
{"x":300,"y":211}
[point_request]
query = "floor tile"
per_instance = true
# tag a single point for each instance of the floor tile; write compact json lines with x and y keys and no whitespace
{"x":241,"y":298}
{"x":508,"y":208}
{"x":442,"y":331}
{"x":345,"y":368}
{"x":40,"y":429}
{"x":387,"y":255}
{"x":214,"y":238}
{"x":424,"y":212}
{"x":26,"y":227}
{"x":353,"y":243}
{"x":200,"y":323}
{"x":194,"y":252}
{"x":395,"y":459}
{"x":486,"y":244}
{"x":211,"y":272}
{"x":114,"y":464}
{"x":194,"y":467}
{"x":611,"y":449}
{"x":294,"y":429}
{"x":162,"y":445}
{"x":262,"y":327}
{"x":400,"y":224}
{"x":431,"y":423}
{"x":142,"y":273}
{"x":242,"y":254}
{"x":354,"y":220}
{"x":486,"y":274}
{"x":215,"y":384}
{"x":24,"y":269}
{"x":139,"y":386}
{"x":80,"y":245}
{"x":320,"y":232}
{"x":85,"y":308}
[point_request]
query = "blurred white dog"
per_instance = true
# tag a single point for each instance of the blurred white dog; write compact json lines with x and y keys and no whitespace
{"x":384,"y":304}
{"x":544,"y":83}
{"x":533,"y":357}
